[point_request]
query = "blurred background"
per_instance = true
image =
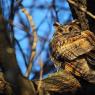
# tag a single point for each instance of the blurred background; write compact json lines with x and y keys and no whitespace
{"x":44,"y":13}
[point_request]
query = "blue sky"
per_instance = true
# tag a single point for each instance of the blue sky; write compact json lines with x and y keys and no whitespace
{"x":43,"y":17}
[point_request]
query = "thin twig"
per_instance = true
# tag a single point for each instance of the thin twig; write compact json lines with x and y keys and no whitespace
{"x":40,"y":90}
{"x":10,"y":21}
{"x":23,"y":55}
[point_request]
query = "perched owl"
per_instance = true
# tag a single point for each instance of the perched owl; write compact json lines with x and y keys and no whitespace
{"x":73,"y":50}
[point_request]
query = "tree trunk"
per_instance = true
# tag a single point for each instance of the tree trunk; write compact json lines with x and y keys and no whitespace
{"x":12,"y":73}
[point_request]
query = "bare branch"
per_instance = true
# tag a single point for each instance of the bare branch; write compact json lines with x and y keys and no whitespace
{"x":34,"y":42}
{"x":82,"y":9}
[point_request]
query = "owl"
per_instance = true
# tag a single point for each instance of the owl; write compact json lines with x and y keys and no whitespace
{"x":72,"y":49}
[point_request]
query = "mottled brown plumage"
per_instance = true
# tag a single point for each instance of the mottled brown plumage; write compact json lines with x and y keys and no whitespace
{"x":61,"y":81}
{"x":73,"y":47}
{"x":71,"y":50}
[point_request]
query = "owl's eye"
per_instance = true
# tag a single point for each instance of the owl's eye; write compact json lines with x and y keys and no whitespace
{"x":70,"y":29}
{"x":60,"y":30}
